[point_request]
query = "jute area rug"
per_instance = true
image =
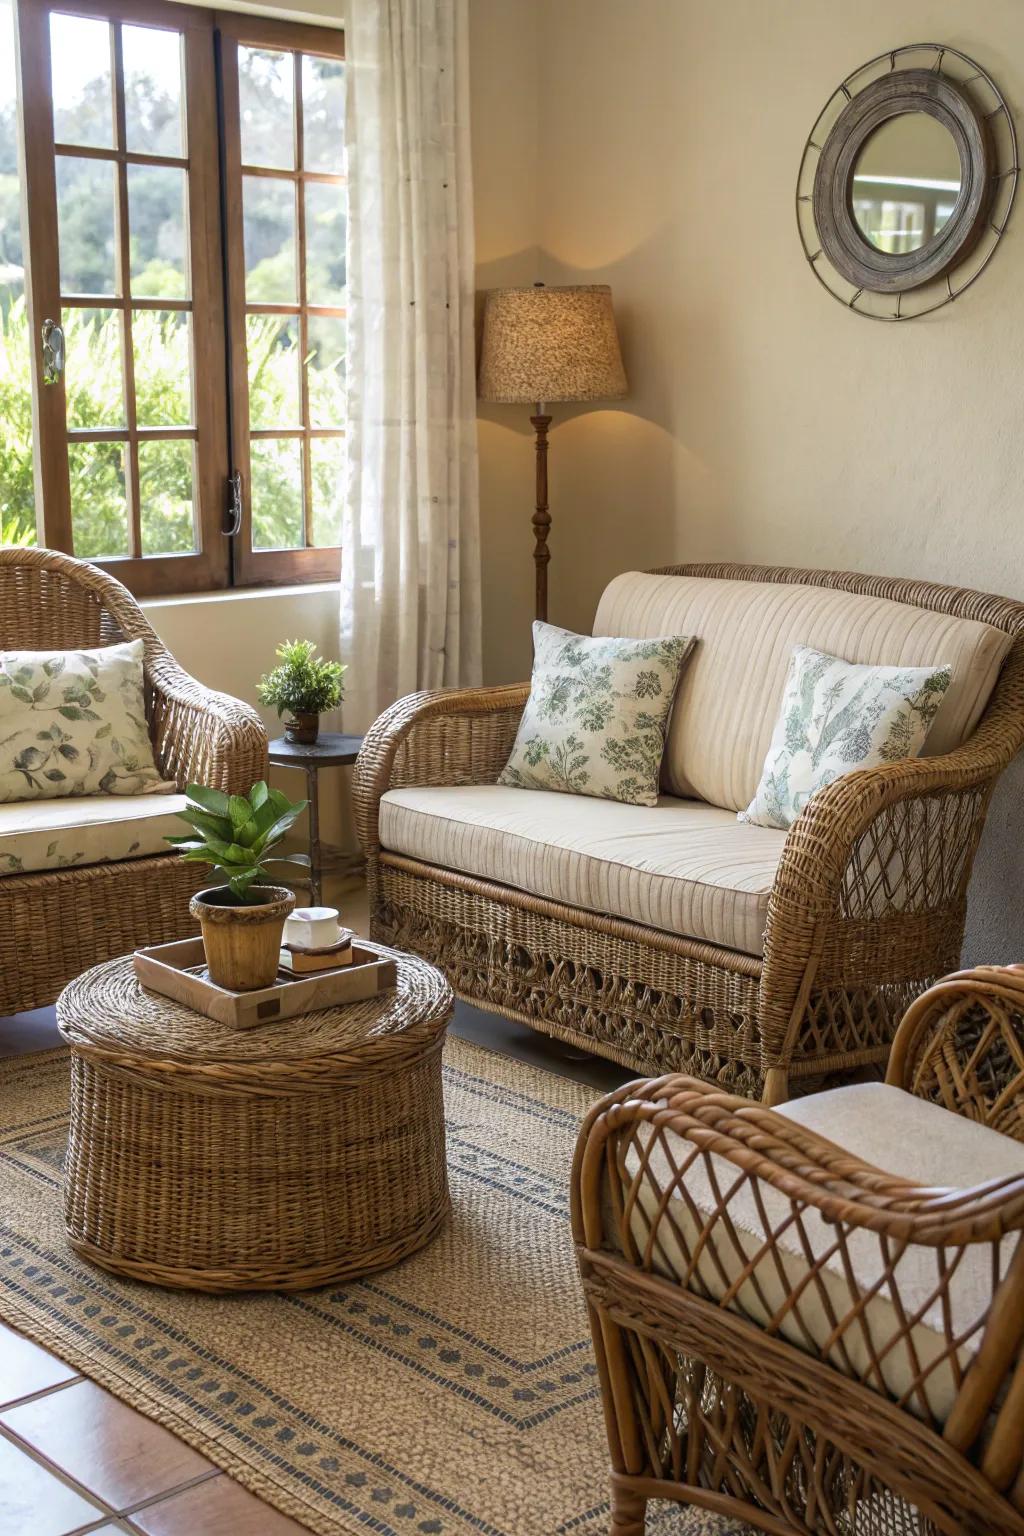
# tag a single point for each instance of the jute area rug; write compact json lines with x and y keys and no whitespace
{"x":454,"y":1395}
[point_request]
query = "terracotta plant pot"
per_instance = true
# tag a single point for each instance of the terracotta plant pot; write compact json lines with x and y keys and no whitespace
{"x":302,"y":729}
{"x":243,"y":944}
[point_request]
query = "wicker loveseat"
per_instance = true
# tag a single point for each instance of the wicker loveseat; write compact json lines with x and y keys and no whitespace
{"x":82,"y":880}
{"x":676,"y":938}
{"x":790,"y":1336}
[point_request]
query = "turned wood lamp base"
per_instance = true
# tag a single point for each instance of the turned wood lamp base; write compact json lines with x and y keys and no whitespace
{"x":541,"y":517}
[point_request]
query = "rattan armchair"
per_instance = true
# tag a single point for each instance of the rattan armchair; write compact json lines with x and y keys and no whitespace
{"x":868,"y":905}
{"x":56,"y":924}
{"x":759,"y":1346}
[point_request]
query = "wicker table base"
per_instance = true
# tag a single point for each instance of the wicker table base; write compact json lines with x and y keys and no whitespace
{"x":280,"y":1158}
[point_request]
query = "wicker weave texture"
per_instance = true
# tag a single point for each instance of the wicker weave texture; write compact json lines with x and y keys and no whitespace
{"x":708,"y":1404}
{"x":277,"y":1158}
{"x":54,"y":925}
{"x":868,"y":906}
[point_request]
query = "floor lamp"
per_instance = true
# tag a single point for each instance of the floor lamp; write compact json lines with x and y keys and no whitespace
{"x":542,"y":345}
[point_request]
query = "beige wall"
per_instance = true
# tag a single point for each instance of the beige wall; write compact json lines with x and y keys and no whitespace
{"x":764,"y":423}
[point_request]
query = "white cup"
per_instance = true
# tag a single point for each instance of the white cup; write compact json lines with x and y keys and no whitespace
{"x":311,"y":927}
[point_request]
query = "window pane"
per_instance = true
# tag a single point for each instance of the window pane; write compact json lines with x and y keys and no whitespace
{"x":266,"y":106}
{"x":17,"y":496}
{"x":166,"y":501}
{"x":269,"y":219}
{"x":162,"y":346}
{"x":94,"y":371}
{"x":323,"y":114}
{"x":152,"y":90}
{"x":328,"y":465}
{"x":272,"y":350}
{"x":83,"y":111}
{"x":156,"y":224}
{"x":325,"y":371}
{"x":85,"y":218}
{"x":325,"y":243}
{"x":99,"y":500}
{"x":276,"y":471}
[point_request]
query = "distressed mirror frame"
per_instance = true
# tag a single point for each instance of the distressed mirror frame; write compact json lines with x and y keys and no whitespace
{"x":960,"y":95}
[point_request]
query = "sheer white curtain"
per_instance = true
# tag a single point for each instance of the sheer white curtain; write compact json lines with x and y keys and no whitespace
{"x":410,"y":584}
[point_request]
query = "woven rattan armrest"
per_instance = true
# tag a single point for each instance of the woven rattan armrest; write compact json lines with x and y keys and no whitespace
{"x":201,"y":736}
{"x":873,"y":878}
{"x":448,"y":736}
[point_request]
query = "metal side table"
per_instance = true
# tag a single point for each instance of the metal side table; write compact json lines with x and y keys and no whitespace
{"x":330,"y":750}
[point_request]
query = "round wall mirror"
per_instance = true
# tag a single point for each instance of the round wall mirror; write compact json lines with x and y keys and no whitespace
{"x":906,"y":180}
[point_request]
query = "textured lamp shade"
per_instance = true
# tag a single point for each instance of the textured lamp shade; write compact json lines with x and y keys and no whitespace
{"x":545,"y":344}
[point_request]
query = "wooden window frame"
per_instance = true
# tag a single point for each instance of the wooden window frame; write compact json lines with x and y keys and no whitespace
{"x":155,"y":575}
{"x":216,"y":295}
{"x":238,"y":29}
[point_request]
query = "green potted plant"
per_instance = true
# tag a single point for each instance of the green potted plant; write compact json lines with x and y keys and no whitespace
{"x":243,"y":919}
{"x":303,"y":684}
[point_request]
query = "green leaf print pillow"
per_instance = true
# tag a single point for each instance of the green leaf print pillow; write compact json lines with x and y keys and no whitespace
{"x":837,"y":716}
{"x":74,"y":723}
{"x":597,"y":714}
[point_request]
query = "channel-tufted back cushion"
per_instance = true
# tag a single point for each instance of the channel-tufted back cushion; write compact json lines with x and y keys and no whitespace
{"x":731,"y":688}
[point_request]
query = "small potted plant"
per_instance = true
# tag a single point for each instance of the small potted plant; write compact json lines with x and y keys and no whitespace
{"x":243,"y":919}
{"x":303,"y":684}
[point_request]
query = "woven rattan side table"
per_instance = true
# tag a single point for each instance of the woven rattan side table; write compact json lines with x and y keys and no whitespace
{"x":278,"y":1158}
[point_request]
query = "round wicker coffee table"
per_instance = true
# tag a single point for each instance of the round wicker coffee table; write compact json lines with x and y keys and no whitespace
{"x":291,"y":1155}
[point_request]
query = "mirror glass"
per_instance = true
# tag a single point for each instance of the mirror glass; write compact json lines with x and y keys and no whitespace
{"x":905,"y":182}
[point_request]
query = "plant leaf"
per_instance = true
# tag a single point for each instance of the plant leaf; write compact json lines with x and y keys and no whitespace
{"x":208,"y":826}
{"x":259,"y":794}
{"x":246,"y":835}
{"x":276,"y":831}
{"x":239,"y":811}
{"x":213,"y":800}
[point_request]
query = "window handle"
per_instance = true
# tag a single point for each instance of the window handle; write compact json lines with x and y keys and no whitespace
{"x":53,"y":352}
{"x":234,"y":507}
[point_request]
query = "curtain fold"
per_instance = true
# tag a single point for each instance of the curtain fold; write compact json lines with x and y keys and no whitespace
{"x":410,"y":577}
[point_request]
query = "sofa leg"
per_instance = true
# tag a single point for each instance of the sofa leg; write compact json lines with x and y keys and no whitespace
{"x":629,"y":1512}
{"x":776,"y":1086}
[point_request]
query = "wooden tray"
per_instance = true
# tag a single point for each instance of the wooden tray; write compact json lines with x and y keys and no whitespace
{"x":179,"y":970}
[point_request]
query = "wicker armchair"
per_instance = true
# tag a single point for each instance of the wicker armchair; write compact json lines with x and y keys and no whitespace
{"x":55,"y":924}
{"x":789,"y":1336}
{"x":867,"y":907}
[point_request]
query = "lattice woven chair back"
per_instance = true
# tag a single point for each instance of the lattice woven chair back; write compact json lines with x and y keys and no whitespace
{"x":962,"y":1045}
{"x":49,"y":600}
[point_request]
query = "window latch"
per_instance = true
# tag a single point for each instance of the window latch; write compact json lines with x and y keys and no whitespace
{"x":53,"y":352}
{"x":233,"y":526}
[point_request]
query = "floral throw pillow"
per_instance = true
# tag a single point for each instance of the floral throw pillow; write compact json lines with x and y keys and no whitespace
{"x":837,"y":716}
{"x":597,"y":714}
{"x":74,"y":723}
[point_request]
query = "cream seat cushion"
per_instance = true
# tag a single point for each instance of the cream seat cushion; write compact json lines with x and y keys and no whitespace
{"x":85,"y":829}
{"x":891,"y":1130}
{"x":679,"y":865}
{"x":730,"y":690}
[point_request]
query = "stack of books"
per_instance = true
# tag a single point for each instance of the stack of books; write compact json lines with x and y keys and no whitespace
{"x":298,"y":961}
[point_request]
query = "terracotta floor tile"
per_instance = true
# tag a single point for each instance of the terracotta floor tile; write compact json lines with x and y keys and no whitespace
{"x":103,"y":1444}
{"x":26,"y":1368}
{"x":219,"y":1507}
{"x":35,"y":1503}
